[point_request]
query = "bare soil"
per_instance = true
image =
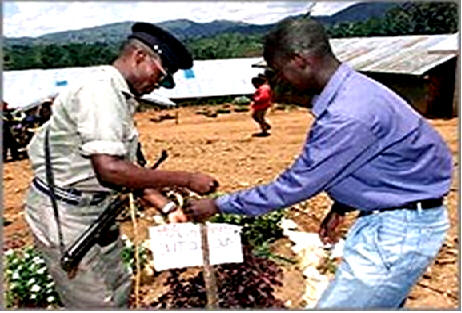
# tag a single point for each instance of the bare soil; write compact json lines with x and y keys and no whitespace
{"x":223,"y":147}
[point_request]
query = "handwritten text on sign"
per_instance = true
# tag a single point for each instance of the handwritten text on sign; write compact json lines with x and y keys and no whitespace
{"x":180,"y":245}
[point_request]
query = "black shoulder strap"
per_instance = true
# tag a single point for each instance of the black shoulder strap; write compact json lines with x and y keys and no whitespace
{"x":51,"y":184}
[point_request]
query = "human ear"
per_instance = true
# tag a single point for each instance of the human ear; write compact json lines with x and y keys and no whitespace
{"x":139,"y":56}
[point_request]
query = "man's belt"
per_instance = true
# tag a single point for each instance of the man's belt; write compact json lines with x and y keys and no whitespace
{"x":70,"y":195}
{"x":422,"y":204}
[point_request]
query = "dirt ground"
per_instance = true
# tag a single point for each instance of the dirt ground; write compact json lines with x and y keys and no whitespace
{"x":223,"y":147}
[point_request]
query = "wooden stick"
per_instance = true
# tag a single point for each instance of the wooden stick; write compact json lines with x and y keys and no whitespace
{"x":135,"y":246}
{"x":209,"y":273}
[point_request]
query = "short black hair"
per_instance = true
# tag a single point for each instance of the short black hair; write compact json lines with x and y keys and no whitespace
{"x":258,"y":80}
{"x":296,"y":35}
{"x":263,"y":77}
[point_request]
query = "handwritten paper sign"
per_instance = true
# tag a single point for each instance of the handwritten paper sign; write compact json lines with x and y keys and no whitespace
{"x":224,"y":243}
{"x":180,"y":245}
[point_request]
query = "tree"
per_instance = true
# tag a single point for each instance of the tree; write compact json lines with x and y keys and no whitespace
{"x":410,"y":18}
{"x":423,"y":18}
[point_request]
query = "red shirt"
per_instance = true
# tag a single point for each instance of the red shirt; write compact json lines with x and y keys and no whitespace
{"x":262,"y":97}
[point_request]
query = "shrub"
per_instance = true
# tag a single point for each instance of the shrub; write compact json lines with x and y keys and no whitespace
{"x":256,"y":231}
{"x":28,"y":282}
{"x":242,"y":100}
{"x":128,"y":254}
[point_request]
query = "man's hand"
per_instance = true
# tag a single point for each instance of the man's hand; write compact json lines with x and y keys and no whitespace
{"x":200,"y":210}
{"x":329,"y":229}
{"x":202,"y":183}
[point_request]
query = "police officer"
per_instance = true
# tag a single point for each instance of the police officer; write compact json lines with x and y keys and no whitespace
{"x":92,"y":143}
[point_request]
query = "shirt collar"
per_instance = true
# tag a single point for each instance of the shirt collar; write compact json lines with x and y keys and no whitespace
{"x":321,"y":101}
{"x":122,"y":85}
{"x":120,"y":81}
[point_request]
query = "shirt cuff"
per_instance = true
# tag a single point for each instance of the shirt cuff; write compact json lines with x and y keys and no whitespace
{"x":224,"y":204}
{"x":103,"y":147}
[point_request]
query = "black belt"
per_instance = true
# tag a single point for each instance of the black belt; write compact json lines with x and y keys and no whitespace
{"x":423,"y":204}
{"x":70,"y":195}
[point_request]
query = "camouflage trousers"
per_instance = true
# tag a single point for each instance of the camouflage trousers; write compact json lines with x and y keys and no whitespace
{"x":102,"y":280}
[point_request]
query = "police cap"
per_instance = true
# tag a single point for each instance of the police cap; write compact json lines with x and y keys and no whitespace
{"x":173,"y":53}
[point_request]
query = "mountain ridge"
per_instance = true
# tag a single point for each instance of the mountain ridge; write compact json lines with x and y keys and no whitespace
{"x":187,"y":29}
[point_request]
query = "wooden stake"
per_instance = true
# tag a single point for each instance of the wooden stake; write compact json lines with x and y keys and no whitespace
{"x":209,"y":273}
{"x":136,"y":247}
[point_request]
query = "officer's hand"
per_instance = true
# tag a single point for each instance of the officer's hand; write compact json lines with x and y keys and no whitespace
{"x":329,"y":229}
{"x":153,"y":197}
{"x":177,"y":216}
{"x":201,"y":210}
{"x":202,"y":183}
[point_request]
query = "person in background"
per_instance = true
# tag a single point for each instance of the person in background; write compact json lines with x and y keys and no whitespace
{"x":368,"y":150}
{"x":9,"y":143}
{"x":92,"y":149}
{"x":45,"y":111}
{"x":260,"y":104}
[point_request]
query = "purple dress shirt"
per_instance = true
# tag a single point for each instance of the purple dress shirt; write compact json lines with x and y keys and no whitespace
{"x":367,"y":149}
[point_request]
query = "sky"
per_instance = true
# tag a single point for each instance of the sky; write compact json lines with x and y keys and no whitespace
{"x":33,"y":18}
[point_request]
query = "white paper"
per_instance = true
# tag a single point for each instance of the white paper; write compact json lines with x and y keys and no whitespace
{"x":176,"y":245}
{"x":224,"y":243}
{"x":180,"y":245}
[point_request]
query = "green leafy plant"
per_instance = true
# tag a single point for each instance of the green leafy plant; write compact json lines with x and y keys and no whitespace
{"x":242,"y":100}
{"x":27,"y":280}
{"x":256,"y":231}
{"x":128,"y":254}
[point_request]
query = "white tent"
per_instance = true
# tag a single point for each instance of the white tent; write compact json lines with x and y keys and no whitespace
{"x":214,"y":78}
{"x":23,"y":89}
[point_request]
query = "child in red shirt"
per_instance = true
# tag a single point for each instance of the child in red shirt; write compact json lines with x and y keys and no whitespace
{"x":260,"y":104}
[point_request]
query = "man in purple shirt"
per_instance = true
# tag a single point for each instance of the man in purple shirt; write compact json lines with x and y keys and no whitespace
{"x":368,"y":149}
